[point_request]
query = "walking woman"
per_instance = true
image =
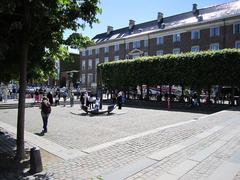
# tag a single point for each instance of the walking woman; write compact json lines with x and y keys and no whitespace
{"x":45,"y":111}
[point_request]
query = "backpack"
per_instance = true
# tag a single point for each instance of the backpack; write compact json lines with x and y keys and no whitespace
{"x":46,"y":108}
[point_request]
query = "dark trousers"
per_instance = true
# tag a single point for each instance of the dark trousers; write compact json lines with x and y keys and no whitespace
{"x":45,"y":120}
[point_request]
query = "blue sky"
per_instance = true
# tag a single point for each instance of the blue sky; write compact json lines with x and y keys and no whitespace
{"x":117,"y":13}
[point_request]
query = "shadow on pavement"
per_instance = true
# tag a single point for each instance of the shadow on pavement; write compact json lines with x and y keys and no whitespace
{"x":174,"y":106}
{"x":40,"y":134}
{"x":10,"y":168}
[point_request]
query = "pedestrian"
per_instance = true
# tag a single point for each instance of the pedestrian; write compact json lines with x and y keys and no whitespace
{"x":65,"y":95}
{"x":119,"y":100}
{"x":82,"y":99}
{"x":50,"y":97}
{"x":45,"y":112}
{"x":57,"y":98}
{"x":71,"y":99}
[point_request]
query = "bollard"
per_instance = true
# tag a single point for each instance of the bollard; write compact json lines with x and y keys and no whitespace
{"x":35,"y":161}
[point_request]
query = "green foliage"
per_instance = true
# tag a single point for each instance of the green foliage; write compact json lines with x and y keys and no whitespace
{"x":77,"y":41}
{"x":197,"y":69}
{"x":40,"y":25}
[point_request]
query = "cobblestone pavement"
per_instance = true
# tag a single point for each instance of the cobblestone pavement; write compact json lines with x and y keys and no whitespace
{"x":71,"y":128}
{"x":140,"y":144}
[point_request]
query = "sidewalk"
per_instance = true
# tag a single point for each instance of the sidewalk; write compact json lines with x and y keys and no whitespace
{"x":201,"y":148}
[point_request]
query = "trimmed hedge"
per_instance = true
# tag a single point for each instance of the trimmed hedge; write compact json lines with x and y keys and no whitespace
{"x":200,"y":69}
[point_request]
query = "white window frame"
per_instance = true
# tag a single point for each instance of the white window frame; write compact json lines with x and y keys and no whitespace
{"x":83,"y":53}
{"x":90,"y":52}
{"x":127,"y":46}
{"x":96,"y":62}
{"x":237,"y":44}
{"x":176,"y":51}
{"x":160,"y":40}
{"x":90,"y":64}
{"x":195,"y":34}
{"x":234,"y":28}
{"x":106,"y":49}
{"x":159,"y":52}
{"x":176,"y":37}
{"x":145,"y":42}
{"x":83,"y":78}
{"x":116,"y":47}
{"x":106,"y":59}
{"x":83,"y":65}
{"x":90,"y":78}
{"x":195,"y":49}
{"x":213,"y":45}
{"x":215,"y":31}
{"x":136,"y":44}
{"x":97,"y":51}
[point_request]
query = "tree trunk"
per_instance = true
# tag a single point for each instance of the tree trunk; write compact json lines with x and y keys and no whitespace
{"x":20,"y":154}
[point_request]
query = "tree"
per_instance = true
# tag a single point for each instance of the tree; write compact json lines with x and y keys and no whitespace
{"x":27,"y":29}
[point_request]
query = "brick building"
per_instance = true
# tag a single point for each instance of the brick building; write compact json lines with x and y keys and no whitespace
{"x":215,"y":27}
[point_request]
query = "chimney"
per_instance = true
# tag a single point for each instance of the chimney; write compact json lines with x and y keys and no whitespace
{"x":160,"y":17}
{"x":109,"y":29}
{"x":195,"y":10}
{"x":131,"y":23}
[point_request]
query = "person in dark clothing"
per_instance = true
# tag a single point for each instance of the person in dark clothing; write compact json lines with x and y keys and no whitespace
{"x":82,"y":99}
{"x":119,"y":100}
{"x":50,"y":97}
{"x":45,"y":112}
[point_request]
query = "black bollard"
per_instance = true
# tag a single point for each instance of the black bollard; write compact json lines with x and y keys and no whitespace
{"x":35,"y":161}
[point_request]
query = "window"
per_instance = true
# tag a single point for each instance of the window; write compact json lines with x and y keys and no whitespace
{"x":83,"y":53}
{"x":237,"y":44}
{"x":83,"y":78}
{"x":127,"y":45}
{"x":136,"y":44}
{"x":160,"y":40}
{"x":176,"y":51}
{"x":90,"y":78}
{"x":159,"y":53}
{"x":214,"y":32}
{"x":97,"y":50}
{"x":116,"y":58}
{"x":106,"y":49}
{"x":90,"y":52}
{"x":214,"y":46}
{"x":96,"y":62}
{"x":106,"y":59}
{"x":116,"y":47}
{"x":236,"y":28}
{"x":89,"y":64}
{"x":83,"y":65}
{"x":146,"y":43}
{"x":176,"y":38}
{"x":195,"y":49}
{"x":195,"y":35}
